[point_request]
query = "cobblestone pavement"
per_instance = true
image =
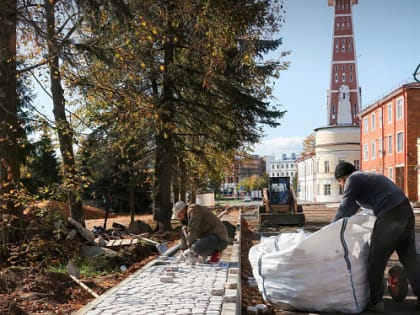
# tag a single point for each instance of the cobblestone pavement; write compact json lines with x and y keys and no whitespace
{"x":172,"y":289}
{"x":170,"y":286}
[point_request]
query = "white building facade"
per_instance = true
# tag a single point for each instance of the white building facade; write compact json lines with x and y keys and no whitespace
{"x":286,"y":166}
{"x":316,"y":180}
{"x":306,"y":177}
{"x":333,"y":144}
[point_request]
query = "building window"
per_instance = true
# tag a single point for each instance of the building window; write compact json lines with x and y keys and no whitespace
{"x":326,"y":166}
{"x":366,"y":125}
{"x":390,"y":173}
{"x":365,"y":152}
{"x":343,"y":78}
{"x":351,"y":76}
{"x":336,"y":77}
{"x":380,"y":147}
{"x":372,"y":122}
{"x":327,"y":190}
{"x":356,"y":164}
{"x":380,"y":117}
{"x":373,"y":148}
{"x":400,"y":109}
{"x":389,"y":113}
{"x":343,"y":68}
{"x":400,"y":141}
{"x":389,"y":144}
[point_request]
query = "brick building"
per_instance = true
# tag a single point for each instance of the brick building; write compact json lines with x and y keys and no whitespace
{"x":242,"y":168}
{"x":389,"y":132}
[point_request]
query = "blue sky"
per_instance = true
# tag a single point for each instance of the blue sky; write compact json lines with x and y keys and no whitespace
{"x":387,"y":43}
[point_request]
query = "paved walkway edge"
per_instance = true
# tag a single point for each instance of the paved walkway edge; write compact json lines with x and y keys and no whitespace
{"x":232,"y":303}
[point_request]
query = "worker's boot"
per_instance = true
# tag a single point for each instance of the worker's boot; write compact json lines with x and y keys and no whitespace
{"x":376,"y":308}
{"x":215,"y":257}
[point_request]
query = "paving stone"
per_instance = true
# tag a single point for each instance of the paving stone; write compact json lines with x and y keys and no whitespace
{"x":171,"y":287}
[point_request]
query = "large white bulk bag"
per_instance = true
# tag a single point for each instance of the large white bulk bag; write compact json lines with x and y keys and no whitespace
{"x":322,"y":271}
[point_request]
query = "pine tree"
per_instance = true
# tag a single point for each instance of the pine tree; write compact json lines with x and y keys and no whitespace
{"x":44,"y":167}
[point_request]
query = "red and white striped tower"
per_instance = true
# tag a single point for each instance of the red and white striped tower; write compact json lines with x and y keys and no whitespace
{"x":343,"y":100}
{"x":339,"y":140}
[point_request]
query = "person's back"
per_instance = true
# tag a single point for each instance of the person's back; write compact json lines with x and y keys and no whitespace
{"x":201,"y":221}
{"x":371,"y":191}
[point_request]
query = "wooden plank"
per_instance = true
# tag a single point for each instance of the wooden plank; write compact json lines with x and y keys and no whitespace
{"x":110,"y":243}
{"x":122,"y":242}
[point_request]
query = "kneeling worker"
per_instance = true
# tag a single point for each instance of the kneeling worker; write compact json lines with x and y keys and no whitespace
{"x":206,"y":234}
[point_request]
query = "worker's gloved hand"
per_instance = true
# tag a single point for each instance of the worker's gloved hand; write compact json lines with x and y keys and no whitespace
{"x":188,"y":253}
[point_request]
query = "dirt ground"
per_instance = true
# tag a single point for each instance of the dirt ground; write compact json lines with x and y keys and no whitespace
{"x":29,"y":284}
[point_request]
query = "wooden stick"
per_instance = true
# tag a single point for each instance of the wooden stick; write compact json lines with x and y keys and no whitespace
{"x":84,"y":286}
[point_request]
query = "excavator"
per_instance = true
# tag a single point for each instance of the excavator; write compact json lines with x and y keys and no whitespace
{"x":280,"y":206}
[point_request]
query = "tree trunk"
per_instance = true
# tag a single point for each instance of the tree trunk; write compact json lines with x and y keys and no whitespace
{"x":9,"y":166}
{"x":132,"y":201}
{"x":176,"y":182}
{"x":65,"y":133}
{"x":184,"y":182}
{"x":164,"y":160}
{"x":162,"y":185}
{"x":9,"y":128}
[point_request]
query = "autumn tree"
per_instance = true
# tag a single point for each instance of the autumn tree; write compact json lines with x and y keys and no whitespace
{"x":187,"y":81}
{"x":47,"y":29}
{"x":308,"y":145}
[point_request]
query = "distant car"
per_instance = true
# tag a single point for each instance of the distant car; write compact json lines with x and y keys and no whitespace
{"x":247,"y":199}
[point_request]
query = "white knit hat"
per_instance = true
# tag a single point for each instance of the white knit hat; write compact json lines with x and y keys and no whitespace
{"x":177,"y":208}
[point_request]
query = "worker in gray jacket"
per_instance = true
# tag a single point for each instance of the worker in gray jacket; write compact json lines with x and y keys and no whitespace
{"x":206,"y":234}
{"x":393,"y":229}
